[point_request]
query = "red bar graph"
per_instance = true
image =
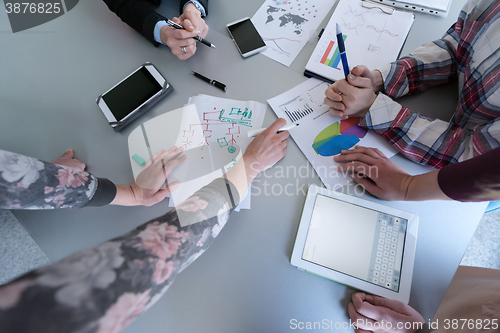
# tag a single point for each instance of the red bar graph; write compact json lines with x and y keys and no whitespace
{"x":327,"y":52}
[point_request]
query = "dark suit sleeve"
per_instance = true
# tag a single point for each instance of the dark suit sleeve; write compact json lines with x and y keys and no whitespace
{"x":140,"y":16}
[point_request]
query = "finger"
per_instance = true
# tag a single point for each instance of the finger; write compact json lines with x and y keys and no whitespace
{"x":358,"y":319}
{"x":354,"y":166}
{"x":338,"y":113}
{"x":188,"y":25}
{"x":332,"y":95}
{"x":170,"y":154}
{"x":68,"y":153}
{"x":372,"y":152}
{"x":394,"y":305}
{"x":360,"y":82}
{"x":361,"y":71}
{"x":273,"y":129}
{"x":155,"y":158}
{"x":368,"y":184}
{"x":355,"y":157}
{"x":283,"y":135}
{"x":349,"y":155}
{"x":170,"y":166}
{"x":284,"y":144}
{"x":169,"y":189}
{"x":338,"y":106}
{"x":204,"y":33}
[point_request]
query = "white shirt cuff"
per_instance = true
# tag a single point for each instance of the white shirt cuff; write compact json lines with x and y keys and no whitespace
{"x":197,"y":5}
{"x":156,"y":31}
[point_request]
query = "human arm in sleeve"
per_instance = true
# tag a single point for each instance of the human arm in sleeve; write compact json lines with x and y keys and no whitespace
{"x":477,"y":179}
{"x":29,"y":183}
{"x":106,"y":287}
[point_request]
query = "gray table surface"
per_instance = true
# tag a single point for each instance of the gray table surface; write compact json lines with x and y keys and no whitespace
{"x":50,"y":78}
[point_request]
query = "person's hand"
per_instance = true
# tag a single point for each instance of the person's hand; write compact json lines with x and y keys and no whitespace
{"x":192,"y":20}
{"x":67,"y":159}
{"x":350,"y":98}
{"x":267,"y":148}
{"x":146,"y":189}
{"x":181,"y":42}
{"x":386,"y":180}
{"x":377,"y":314}
{"x":375,"y":77}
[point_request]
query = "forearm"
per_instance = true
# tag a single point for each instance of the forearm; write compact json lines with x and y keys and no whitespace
{"x":109,"y":285}
{"x":425,"y":187}
{"x":427,"y":141}
{"x":429,"y":65}
{"x":29,"y":183}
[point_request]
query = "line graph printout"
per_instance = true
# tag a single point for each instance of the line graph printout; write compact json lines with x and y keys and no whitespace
{"x":372,"y":38}
{"x":286,"y":25}
{"x":321,"y":135}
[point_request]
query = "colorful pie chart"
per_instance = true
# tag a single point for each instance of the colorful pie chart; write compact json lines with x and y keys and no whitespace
{"x":338,"y":136}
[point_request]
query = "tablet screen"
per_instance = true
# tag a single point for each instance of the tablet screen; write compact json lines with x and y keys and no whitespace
{"x":357,"y":241}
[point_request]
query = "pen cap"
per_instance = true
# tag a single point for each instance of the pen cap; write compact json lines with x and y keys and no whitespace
{"x":219,"y":85}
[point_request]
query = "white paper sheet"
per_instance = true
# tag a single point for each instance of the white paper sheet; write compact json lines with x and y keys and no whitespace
{"x":213,"y":133}
{"x":286,"y":25}
{"x":371,"y":37}
{"x":304,"y":106}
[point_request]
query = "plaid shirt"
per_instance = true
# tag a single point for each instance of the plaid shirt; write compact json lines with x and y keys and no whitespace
{"x":469,"y":51}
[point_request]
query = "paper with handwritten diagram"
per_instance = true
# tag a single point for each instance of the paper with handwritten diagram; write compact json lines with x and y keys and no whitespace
{"x":213,"y":133}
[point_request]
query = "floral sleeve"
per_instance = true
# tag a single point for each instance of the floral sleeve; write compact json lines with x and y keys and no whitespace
{"x":28,"y":183}
{"x":104,"y":288}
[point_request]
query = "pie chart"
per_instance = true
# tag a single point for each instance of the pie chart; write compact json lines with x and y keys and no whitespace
{"x":338,"y":136}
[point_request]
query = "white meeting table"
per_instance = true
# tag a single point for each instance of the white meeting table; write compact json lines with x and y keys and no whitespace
{"x":50,"y":78}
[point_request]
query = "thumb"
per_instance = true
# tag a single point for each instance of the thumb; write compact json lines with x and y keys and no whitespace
{"x":361,"y":71}
{"x":68,"y":154}
{"x":160,"y":195}
{"x":171,"y":187}
{"x":188,"y":25}
{"x":368,"y":184}
{"x":359,"y":81}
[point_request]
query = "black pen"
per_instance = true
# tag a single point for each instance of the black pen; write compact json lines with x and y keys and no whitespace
{"x":177,"y":26}
{"x":219,"y":85}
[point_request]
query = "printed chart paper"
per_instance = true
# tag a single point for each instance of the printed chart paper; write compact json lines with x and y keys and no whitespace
{"x":320,"y":135}
{"x":371,"y":37}
{"x":286,"y":25}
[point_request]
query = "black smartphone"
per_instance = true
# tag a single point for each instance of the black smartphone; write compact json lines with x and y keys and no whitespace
{"x":133,"y":96}
{"x":246,"y":37}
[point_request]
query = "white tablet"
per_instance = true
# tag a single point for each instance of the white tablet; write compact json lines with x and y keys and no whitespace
{"x":358,"y":243}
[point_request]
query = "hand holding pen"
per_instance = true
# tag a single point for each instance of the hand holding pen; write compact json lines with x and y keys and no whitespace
{"x":183,"y":41}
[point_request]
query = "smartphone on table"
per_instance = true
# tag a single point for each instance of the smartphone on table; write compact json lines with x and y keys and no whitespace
{"x":133,"y":96}
{"x":246,"y":37}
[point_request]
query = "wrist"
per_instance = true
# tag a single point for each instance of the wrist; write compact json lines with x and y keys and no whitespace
{"x":252,"y":167}
{"x":124,"y":196}
{"x":378,"y":81}
{"x":191,"y":7}
{"x":163,"y":34}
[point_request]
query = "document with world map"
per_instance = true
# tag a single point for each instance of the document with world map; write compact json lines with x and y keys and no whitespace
{"x":286,"y":25}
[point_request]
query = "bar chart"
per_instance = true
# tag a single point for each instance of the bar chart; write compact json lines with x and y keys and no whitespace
{"x":331,"y":56}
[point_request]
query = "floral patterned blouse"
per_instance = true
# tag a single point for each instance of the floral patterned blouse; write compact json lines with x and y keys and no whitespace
{"x":104,"y":288}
